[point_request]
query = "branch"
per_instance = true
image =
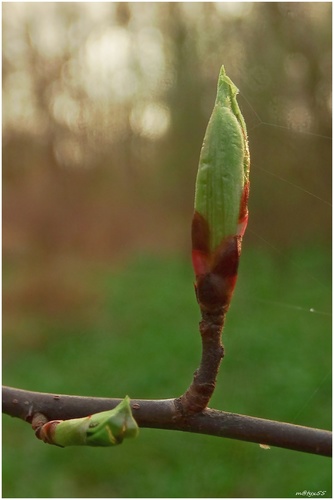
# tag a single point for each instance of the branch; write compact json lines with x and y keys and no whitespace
{"x":198,"y":395}
{"x":165,"y":414}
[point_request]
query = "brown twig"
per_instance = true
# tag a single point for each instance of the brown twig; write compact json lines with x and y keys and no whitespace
{"x":198,"y":395}
{"x":164,"y":414}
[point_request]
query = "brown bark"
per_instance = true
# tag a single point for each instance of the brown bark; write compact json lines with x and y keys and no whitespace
{"x":198,"y":395}
{"x":164,"y":414}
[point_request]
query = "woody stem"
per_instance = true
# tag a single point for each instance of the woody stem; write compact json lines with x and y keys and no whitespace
{"x":199,"y":393}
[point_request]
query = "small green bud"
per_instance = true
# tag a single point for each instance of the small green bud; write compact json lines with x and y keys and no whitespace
{"x":107,"y":428}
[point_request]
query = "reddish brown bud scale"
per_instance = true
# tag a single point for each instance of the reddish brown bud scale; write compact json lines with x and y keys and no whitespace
{"x":226,"y":257}
{"x":46,"y":432}
{"x":200,"y":244}
{"x":243,"y":215}
{"x":214,"y":289}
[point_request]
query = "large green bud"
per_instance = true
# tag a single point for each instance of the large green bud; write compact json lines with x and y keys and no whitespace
{"x":222,"y":188}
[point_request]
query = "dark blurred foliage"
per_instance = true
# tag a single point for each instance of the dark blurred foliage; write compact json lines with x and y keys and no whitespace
{"x":105,"y":106}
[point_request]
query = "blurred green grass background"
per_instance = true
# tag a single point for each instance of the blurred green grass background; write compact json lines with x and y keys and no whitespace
{"x":139,"y":336}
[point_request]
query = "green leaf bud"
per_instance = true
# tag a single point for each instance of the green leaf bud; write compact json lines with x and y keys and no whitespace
{"x":107,"y":428}
{"x":221,"y":196}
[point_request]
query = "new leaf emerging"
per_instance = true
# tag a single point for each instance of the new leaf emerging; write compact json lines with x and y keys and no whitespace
{"x":107,"y":428}
{"x":222,"y":188}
